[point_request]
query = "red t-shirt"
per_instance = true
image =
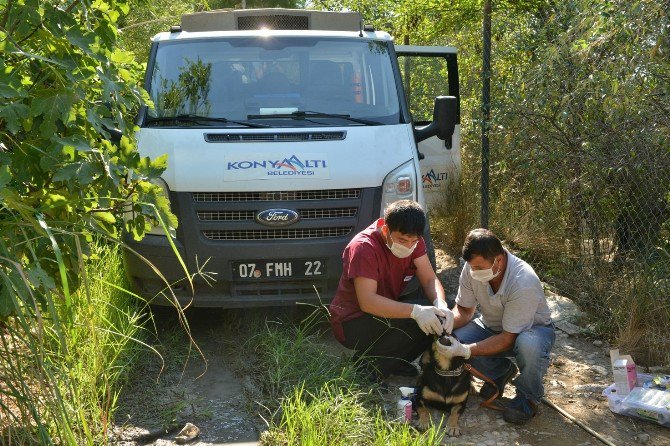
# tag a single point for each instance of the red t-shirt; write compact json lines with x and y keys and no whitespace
{"x":367,"y":255}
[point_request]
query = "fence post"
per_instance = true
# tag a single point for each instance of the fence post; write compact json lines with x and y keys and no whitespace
{"x":486,"y":111}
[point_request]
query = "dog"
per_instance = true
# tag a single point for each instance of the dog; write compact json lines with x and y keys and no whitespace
{"x":444,"y":384}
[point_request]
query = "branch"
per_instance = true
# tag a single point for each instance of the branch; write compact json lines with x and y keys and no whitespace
{"x":135,"y":25}
{"x":72,"y":5}
{"x":111,"y":209}
{"x":6,"y":16}
{"x":131,"y":191}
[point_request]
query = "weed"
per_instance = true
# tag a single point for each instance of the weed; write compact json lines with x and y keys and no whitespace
{"x":314,"y":396}
{"x":337,"y":415}
{"x":70,"y":374}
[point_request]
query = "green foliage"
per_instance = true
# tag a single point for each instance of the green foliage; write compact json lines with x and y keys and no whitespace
{"x":337,"y":415}
{"x":104,"y":340}
{"x":294,"y":356}
{"x":424,"y":22}
{"x":582,"y":169}
{"x":55,"y":396}
{"x":316,"y":395}
{"x":67,"y":86}
{"x":148,"y":18}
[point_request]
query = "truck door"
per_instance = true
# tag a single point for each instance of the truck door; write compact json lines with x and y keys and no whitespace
{"x":427,"y":72}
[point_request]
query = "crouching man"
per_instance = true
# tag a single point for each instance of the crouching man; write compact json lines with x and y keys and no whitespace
{"x":369,"y":313}
{"x":515,"y":322}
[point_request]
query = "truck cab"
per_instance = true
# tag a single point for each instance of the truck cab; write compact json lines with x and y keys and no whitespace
{"x":287,"y":132}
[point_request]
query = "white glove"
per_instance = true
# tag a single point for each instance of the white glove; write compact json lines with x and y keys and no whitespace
{"x":448,"y":323}
{"x":456,"y":349}
{"x":426,"y":317}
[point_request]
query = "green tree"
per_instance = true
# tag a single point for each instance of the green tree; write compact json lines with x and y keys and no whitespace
{"x":67,"y":90}
{"x":66,"y":87}
{"x":147,"y":18}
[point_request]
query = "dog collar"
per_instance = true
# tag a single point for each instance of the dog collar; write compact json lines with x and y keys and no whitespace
{"x":456,"y":372}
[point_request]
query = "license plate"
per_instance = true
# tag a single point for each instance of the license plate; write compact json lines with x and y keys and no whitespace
{"x":279,"y":269}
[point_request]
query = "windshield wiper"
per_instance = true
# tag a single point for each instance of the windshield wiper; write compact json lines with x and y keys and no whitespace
{"x":198,"y":118}
{"x":307,"y":115}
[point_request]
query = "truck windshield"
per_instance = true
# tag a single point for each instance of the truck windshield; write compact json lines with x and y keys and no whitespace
{"x":268,"y":79}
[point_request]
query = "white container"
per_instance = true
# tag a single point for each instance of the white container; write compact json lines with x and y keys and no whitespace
{"x":625,"y":376}
{"x":404,"y":405}
{"x":634,"y":404}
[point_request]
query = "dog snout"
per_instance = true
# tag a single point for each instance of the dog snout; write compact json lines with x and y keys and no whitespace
{"x":444,"y":340}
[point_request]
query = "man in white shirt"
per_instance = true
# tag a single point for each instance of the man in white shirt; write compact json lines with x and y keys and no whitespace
{"x":515,"y":322}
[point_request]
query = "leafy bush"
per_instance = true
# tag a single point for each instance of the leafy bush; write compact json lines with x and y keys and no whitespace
{"x":67,"y":91}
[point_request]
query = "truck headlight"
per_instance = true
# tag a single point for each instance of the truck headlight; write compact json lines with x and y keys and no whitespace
{"x":399,"y":185}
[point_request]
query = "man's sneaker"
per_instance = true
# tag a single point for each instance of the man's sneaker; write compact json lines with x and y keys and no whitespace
{"x":405,"y":369}
{"x":520,"y":410}
{"x":488,"y":390}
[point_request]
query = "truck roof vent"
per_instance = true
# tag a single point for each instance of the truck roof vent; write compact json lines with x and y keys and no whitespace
{"x":270,"y":18}
{"x":274,"y":137}
{"x":272,"y":22}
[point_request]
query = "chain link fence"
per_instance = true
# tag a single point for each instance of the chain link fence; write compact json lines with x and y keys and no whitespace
{"x":580,"y":175}
{"x":580,"y":162}
{"x":598,"y":229}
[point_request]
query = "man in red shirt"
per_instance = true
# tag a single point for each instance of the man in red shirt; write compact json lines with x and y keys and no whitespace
{"x":369,"y":313}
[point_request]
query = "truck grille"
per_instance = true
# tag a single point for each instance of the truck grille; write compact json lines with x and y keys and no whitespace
{"x":309,"y":214}
{"x":324,"y":214}
{"x":283,"y":21}
{"x":327,"y":194}
{"x":305,"y":214}
{"x":276,"y":234}
{"x":226,"y":215}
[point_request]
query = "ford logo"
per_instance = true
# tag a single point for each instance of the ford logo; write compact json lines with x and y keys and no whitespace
{"x":277,"y":217}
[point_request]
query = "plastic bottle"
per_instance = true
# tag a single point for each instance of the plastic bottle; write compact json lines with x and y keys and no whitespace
{"x":404,"y":406}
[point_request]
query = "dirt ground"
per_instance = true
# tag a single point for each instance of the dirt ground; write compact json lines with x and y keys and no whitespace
{"x":220,"y":403}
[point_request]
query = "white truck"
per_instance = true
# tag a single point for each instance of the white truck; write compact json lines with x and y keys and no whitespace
{"x":287,"y":132}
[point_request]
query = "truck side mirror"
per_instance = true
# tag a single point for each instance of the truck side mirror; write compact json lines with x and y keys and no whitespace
{"x":444,"y":120}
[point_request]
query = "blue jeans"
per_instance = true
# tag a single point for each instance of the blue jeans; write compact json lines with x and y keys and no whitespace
{"x":531,"y":350}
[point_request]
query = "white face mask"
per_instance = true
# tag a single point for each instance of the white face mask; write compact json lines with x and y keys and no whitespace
{"x":399,"y":250}
{"x":484,"y":275}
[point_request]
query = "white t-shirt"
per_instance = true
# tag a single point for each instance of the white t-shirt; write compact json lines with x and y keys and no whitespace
{"x":519,"y":303}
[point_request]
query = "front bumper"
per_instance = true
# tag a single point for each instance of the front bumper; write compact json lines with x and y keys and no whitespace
{"x":152,"y":264}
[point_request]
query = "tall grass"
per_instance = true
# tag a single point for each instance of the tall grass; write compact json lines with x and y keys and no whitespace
{"x":292,"y":356}
{"x":336,"y":416}
{"x":61,"y":369}
{"x":454,"y":216}
{"x":313,"y":394}
{"x":103,"y":341}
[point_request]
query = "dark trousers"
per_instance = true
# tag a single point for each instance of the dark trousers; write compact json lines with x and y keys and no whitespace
{"x":387,"y":343}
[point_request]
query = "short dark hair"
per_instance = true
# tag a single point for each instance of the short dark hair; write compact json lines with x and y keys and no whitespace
{"x":482,"y":242}
{"x":405,"y":216}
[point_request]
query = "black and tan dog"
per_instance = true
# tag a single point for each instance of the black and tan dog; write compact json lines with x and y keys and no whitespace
{"x":444,"y":384}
